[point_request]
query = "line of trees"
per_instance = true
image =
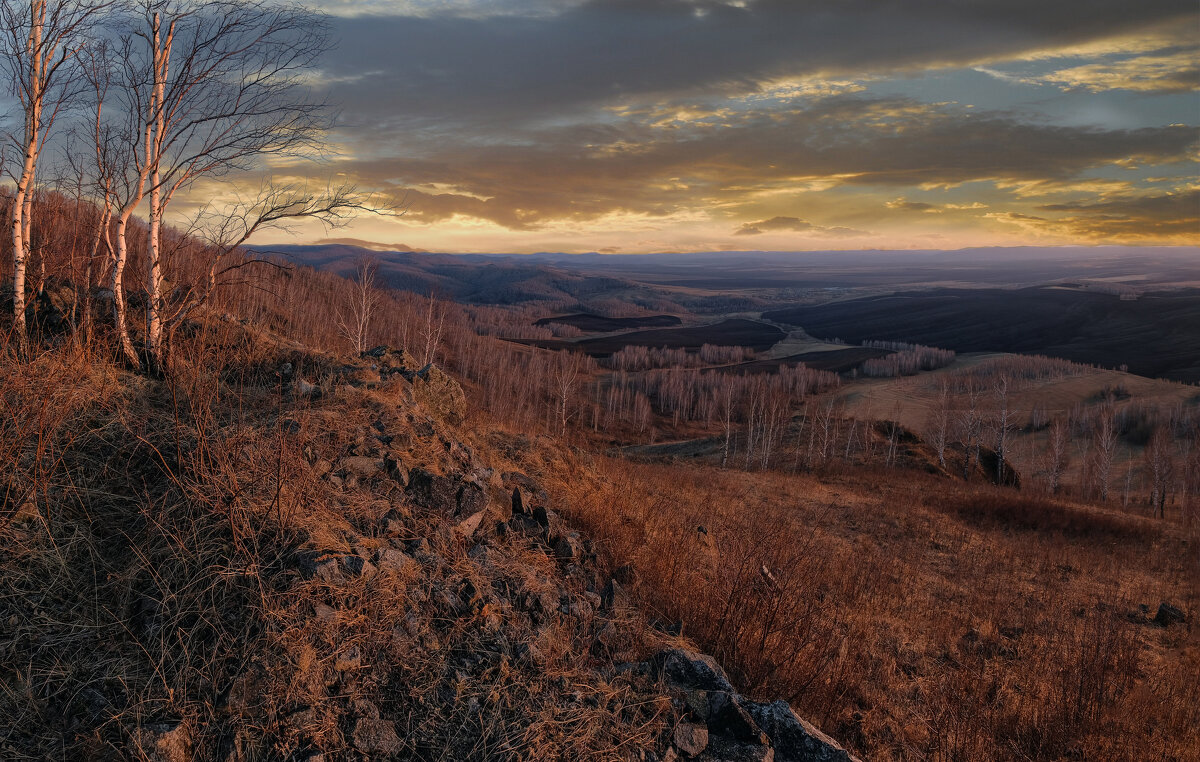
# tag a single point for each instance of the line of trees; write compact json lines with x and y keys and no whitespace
{"x":905,"y":360}
{"x":639,"y":358}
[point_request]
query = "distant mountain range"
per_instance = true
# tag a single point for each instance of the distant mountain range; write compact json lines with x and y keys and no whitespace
{"x":733,"y":281}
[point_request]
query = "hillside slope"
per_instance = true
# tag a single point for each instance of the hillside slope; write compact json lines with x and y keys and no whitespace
{"x":278,"y":554}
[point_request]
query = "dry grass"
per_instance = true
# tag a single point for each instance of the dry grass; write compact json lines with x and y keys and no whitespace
{"x":916,"y":618}
{"x":148,"y":575}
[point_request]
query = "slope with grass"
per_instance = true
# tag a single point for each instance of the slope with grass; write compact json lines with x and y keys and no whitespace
{"x":273,"y":553}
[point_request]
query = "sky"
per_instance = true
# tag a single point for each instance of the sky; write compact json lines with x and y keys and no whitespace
{"x":705,"y":125}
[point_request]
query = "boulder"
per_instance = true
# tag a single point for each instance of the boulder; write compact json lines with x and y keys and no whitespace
{"x":794,"y":738}
{"x":727,"y":718}
{"x":439,"y":393}
{"x":682,"y":668}
{"x":432,"y":490}
{"x":566,"y":547}
{"x":1168,"y":615}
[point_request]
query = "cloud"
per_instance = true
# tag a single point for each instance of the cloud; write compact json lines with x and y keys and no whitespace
{"x":794,"y":225}
{"x":586,"y":172}
{"x":1172,"y":70}
{"x":913,"y":206}
{"x":1165,"y":217}
{"x":670,"y":118}
{"x":459,"y":69}
{"x":373,"y":245}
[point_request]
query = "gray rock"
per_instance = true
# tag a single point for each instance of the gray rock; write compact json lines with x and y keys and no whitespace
{"x":314,"y":564}
{"x":394,"y":471}
{"x":688,"y":669}
{"x":433,"y":491}
{"x":565,"y":547}
{"x":358,"y":566}
{"x":727,"y":718}
{"x":725,"y":750}
{"x":518,"y":506}
{"x":794,"y":738}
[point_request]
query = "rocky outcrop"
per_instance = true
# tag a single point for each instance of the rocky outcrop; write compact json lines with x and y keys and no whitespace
{"x":721,"y":725}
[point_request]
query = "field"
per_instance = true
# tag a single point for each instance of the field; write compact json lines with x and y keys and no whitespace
{"x":916,"y":619}
{"x":600,"y":324}
{"x":1157,"y":334}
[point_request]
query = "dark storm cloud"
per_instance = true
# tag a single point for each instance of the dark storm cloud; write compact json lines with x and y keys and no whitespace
{"x":582,"y":172}
{"x":413,"y":73}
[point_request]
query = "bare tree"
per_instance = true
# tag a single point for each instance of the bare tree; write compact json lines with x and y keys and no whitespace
{"x":39,"y":42}
{"x":1160,"y":462}
{"x":355,"y":322}
{"x":226,"y":229}
{"x":1104,"y":449}
{"x":939,"y":422}
{"x":1058,"y":452}
{"x":431,"y":328}
{"x":566,"y":375}
{"x":215,"y":86}
{"x":1005,"y":419}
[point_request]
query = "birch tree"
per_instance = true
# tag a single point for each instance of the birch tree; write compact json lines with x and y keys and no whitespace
{"x":216,"y":85}
{"x":1160,"y":463}
{"x":1058,"y":453}
{"x":39,"y":42}
{"x":355,"y":322}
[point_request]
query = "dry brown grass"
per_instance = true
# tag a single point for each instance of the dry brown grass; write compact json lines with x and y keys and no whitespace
{"x":148,"y":575}
{"x":916,"y":618}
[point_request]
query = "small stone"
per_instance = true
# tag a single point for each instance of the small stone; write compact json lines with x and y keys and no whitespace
{"x":362,"y":466}
{"x":395,"y":471}
{"x":690,"y":738}
{"x":349,"y":660}
{"x":566,"y":548}
{"x":358,"y":567}
{"x":372,"y":736}
{"x":395,"y":561}
{"x":164,"y":742}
